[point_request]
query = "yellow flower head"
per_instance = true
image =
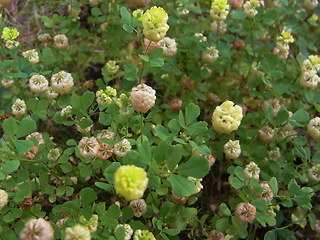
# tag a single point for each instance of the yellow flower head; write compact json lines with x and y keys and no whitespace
{"x":254,"y":3}
{"x":227,"y":117}
{"x":286,"y":37}
{"x":130,"y":182}
{"x":219,"y":10}
{"x":314,"y":17}
{"x":138,"y":14}
{"x":154,"y":22}
{"x":315,"y":60}
{"x":112,"y":66}
{"x":9,"y":33}
{"x":110,"y":91}
{"x":143,"y":235}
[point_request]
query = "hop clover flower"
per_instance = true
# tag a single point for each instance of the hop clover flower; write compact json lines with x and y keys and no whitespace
{"x":142,"y":98}
{"x":91,"y":224}
{"x":219,"y":10}
{"x":138,"y":14}
{"x":130,"y":182}
{"x":286,"y":37}
{"x":88,"y":147}
{"x":3,"y":198}
{"x":78,"y":232}
{"x":314,"y":127}
{"x":314,"y":173}
{"x":250,"y":7}
{"x":62,"y":82}
{"x":9,"y":33}
{"x":245,"y":212}
{"x":154,"y":22}
{"x":121,"y":148}
{"x":226,"y":117}
{"x":38,"y":84}
{"x":210,"y":55}
{"x":32,"y":56}
{"x":252,"y":171}
{"x":112,"y":67}
{"x":309,"y":72}
{"x":232,"y":149}
{"x":128,"y":232}
{"x":19,"y":107}
{"x":143,"y":235}
{"x":37,"y":229}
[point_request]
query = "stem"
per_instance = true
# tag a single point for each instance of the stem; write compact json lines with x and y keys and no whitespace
{"x":145,"y":52}
{"x":141,"y":126}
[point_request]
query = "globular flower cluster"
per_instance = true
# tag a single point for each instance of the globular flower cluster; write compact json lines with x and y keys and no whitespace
{"x":66,"y":111}
{"x":314,"y":127}
{"x":60,"y":41}
{"x":112,"y":67}
{"x":130,"y":182}
{"x":314,"y":173}
{"x":252,"y":171}
{"x":200,"y":37}
{"x":142,"y":98}
{"x":90,"y":224}
{"x":62,"y":82}
{"x":38,"y":84}
{"x":128,"y":232}
{"x":169,"y":46}
{"x":245,"y":212}
{"x":3,"y":198}
{"x":32,"y":56}
{"x":123,"y":103}
{"x":250,"y":8}
{"x":210,"y":55}
{"x":226,"y":117}
{"x":310,"y":4}
{"x":121,"y":148}
{"x":274,"y":154}
{"x":88,"y":147}
{"x":219,"y":27}
{"x":105,"y":97}
{"x":154,"y":22}
{"x":78,"y":232}
{"x":19,"y":108}
{"x":282,"y":48}
{"x":266,"y":134}
{"x":309,"y":72}
{"x":219,"y":10}
{"x":38,"y":229}
{"x":232,"y":149}
{"x":139,"y":207}
{"x":143,"y":235}
{"x":9,"y":35}
{"x":7,"y":83}
{"x":267,"y":193}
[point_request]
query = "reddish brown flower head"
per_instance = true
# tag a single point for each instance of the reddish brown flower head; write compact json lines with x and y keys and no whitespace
{"x":187,"y":83}
{"x":176,"y":104}
{"x":179,"y":200}
{"x":245,"y":212}
{"x":215,"y":235}
{"x":104,"y":151}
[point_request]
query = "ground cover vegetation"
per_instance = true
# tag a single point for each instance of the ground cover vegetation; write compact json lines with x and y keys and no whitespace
{"x":159,"y":119}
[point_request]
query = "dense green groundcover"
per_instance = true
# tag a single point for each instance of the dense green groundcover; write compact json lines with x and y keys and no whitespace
{"x":159,"y":119}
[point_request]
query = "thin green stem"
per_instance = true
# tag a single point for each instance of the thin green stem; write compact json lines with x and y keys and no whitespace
{"x":141,"y":126}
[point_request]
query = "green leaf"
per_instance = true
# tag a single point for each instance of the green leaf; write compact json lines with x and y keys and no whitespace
{"x":125,"y":15}
{"x":10,"y":127}
{"x":156,"y":59}
{"x":109,"y":171}
{"x":269,"y":113}
{"x":127,"y":213}
{"x":224,"y":210}
{"x":144,"y":57}
{"x":26,"y":126}
{"x":238,"y":171}
{"x":120,"y":233}
{"x":105,"y":118}
{"x":85,"y":122}
{"x":173,"y":156}
{"x":96,"y":11}
{"x":75,"y":101}
{"x":271,"y":235}
{"x":282,"y":115}
{"x":300,"y":115}
{"x":128,"y":28}
{"x":222,"y":224}
{"x":174,"y":126}
{"x":145,"y":152}
{"x":10,"y":166}
{"x":274,"y":185}
{"x":196,"y":166}
{"x":236,"y":183}
{"x":260,"y":204}
{"x":23,"y":146}
{"x":104,"y":186}
{"x":162,"y":132}
{"x":192,"y":112}
{"x":197,"y":128}
{"x":239,"y":15}
{"x":114,"y":211}
{"x":285,"y":234}
{"x":181,"y":186}
{"x":171,"y":232}
{"x":87,"y":196}
{"x":293,"y":187}
{"x":87,"y":99}
{"x":182,"y":120}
